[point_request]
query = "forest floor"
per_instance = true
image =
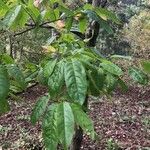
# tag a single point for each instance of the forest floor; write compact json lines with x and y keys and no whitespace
{"x":121,"y":123}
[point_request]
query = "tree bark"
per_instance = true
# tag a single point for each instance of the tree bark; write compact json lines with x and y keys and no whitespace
{"x":77,"y":139}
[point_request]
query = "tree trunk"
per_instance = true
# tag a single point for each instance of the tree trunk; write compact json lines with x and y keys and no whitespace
{"x":77,"y":139}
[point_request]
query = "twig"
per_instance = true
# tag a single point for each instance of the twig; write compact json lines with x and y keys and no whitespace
{"x":19,"y":33}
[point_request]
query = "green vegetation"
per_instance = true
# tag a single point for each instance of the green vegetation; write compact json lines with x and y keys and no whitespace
{"x":70,"y":66}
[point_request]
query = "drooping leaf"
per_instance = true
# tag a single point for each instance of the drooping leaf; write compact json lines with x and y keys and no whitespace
{"x":4,"y":83}
{"x":39,"y":109}
{"x":15,"y":73}
{"x":49,"y":127}
{"x":96,"y":81}
{"x":112,"y":68}
{"x":4,"y":89}
{"x":49,"y":67}
{"x":110,"y":82}
{"x":15,"y":17}
{"x":138,"y":75}
{"x":41,"y":78}
{"x":83,"y":120}
{"x":65,"y":124}
{"x":56,"y":80}
{"x":75,"y":79}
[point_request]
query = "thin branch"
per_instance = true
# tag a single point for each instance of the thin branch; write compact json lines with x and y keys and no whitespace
{"x":19,"y":33}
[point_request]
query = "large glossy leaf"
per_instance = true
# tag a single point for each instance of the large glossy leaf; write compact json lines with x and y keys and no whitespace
{"x":56,"y":80}
{"x":49,"y":67}
{"x":15,"y":73}
{"x":39,"y":109}
{"x":138,"y":75}
{"x":83,"y":120}
{"x":65,"y":123}
{"x":112,"y":68}
{"x":15,"y":17}
{"x":49,"y":127}
{"x":75,"y":79}
{"x":146,"y":66}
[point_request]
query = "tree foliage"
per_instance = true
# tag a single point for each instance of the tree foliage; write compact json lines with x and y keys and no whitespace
{"x":71,"y":70}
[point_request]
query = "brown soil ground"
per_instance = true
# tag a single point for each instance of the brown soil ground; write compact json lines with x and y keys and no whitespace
{"x":121,"y":123}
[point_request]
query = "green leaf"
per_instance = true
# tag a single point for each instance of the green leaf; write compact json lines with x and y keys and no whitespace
{"x":110,"y":82}
{"x":4,"y":83}
{"x":40,"y":77}
{"x":15,"y":17}
{"x":12,"y":15}
{"x":49,"y":127}
{"x":3,"y":9}
{"x":69,"y":23}
{"x":83,"y":24}
{"x":105,"y":25}
{"x":146,"y":66}
{"x":83,"y":120}
{"x":33,"y":11}
{"x":88,"y":6}
{"x":96,"y":81}
{"x":56,"y":80}
{"x":106,"y":14}
{"x":92,"y":15}
{"x":111,"y":68}
{"x":4,"y":89}
{"x":49,"y":67}
{"x":75,"y":79}
{"x":39,"y":109}
{"x":66,"y":10}
{"x":15,"y":72}
{"x":138,"y":75}
{"x":4,"y":106}
{"x":50,"y":14}
{"x":7,"y":59}
{"x":123,"y":85}
{"x":65,"y":124}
